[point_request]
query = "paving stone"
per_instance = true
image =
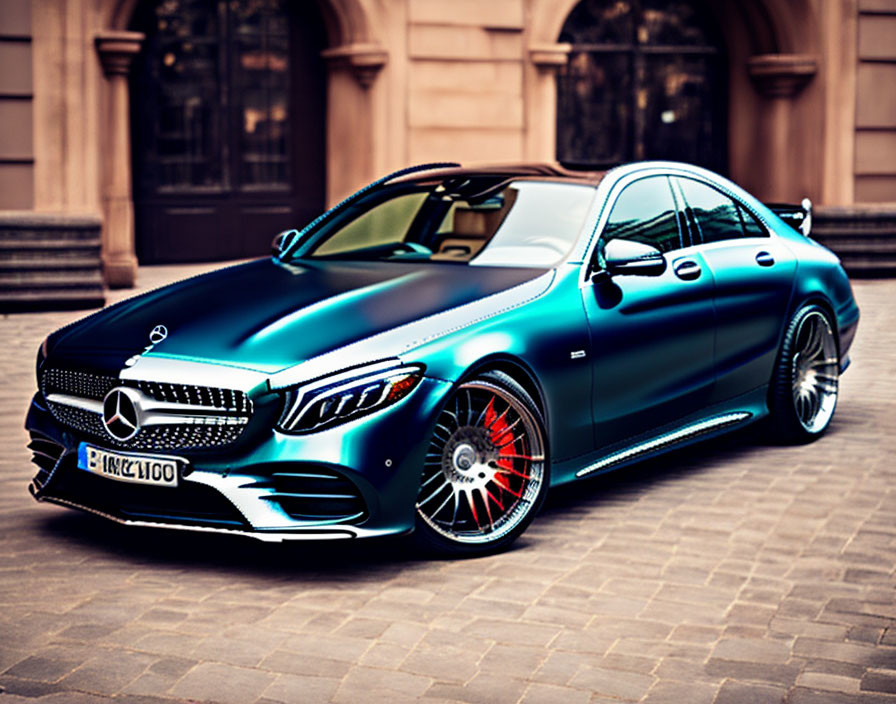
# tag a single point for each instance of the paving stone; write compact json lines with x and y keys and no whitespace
{"x":823,"y":681}
{"x":108,"y":675}
{"x":289,"y":689}
{"x":880,"y":680}
{"x":43,"y":669}
{"x":761,"y":651}
{"x":732,"y":692}
{"x":678,"y":692}
{"x":783,"y":674}
{"x":225,"y":684}
{"x":484,"y":688}
{"x":613,"y":683}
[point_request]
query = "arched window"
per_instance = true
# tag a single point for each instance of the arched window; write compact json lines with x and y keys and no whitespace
{"x":228,"y":103}
{"x":646,"y":79}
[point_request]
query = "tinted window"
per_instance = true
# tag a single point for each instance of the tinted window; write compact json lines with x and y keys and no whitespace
{"x":385,"y":223}
{"x":752,"y":227}
{"x":716,"y":216}
{"x":645,"y":212}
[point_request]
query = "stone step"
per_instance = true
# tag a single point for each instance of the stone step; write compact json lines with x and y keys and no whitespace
{"x":44,"y":280}
{"x":850,"y":246}
{"x":50,"y":261}
{"x":51,"y":299}
{"x":56,"y":263}
{"x":12,"y":246}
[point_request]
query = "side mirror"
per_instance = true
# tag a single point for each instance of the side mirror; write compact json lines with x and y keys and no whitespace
{"x":633,"y":258}
{"x":283,"y":242}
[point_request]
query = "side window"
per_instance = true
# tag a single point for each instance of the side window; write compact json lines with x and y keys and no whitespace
{"x":752,"y":227}
{"x":717,"y":217}
{"x":645,"y":212}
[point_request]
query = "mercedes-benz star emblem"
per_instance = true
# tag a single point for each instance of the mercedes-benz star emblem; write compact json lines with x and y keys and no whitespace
{"x":159,"y":333}
{"x":121,"y":414}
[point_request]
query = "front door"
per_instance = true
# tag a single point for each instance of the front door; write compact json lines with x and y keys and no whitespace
{"x":227,"y":103}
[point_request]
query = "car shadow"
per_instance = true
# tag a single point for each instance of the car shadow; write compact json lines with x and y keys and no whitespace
{"x":381,"y":557}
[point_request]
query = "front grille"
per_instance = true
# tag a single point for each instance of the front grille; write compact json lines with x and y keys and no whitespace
{"x":232,"y":410}
{"x":189,"y":503}
{"x":317,"y":494}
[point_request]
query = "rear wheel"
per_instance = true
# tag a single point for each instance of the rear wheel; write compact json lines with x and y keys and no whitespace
{"x":806,"y":383}
{"x":485,"y":474}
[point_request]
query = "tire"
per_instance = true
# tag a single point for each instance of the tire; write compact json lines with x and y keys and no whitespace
{"x":805,"y":384}
{"x":485,"y":474}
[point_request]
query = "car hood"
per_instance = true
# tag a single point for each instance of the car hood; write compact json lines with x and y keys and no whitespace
{"x":266,"y":316}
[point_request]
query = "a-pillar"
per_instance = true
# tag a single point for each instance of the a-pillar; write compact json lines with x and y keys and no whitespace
{"x":779,"y":78}
{"x":116,"y":51}
{"x":541,"y":100}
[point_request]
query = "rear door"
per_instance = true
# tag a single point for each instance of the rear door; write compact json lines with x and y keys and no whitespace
{"x":753,"y":273}
{"x":652,"y":336}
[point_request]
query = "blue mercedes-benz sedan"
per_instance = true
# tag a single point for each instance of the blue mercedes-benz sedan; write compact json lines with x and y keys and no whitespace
{"x":435,"y":352}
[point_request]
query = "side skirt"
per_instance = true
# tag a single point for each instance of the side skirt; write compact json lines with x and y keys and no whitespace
{"x":666,"y":441}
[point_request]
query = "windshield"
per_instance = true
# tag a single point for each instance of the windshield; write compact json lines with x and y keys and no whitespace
{"x":516,"y":223}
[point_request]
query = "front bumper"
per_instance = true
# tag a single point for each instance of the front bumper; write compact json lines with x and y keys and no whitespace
{"x":274,"y":487}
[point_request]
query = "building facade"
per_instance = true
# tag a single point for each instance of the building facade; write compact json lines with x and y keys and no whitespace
{"x":179,"y":130}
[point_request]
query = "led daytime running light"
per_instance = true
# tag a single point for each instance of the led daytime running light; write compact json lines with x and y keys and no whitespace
{"x":338,"y":399}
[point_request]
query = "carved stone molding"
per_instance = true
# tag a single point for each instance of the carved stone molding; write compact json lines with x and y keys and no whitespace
{"x":549,"y":58}
{"x":365,"y":61}
{"x":117,"y":51}
{"x":781,"y":75}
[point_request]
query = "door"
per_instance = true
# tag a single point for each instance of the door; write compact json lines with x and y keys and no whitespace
{"x":227,"y":104}
{"x":652,"y":336}
{"x":753,"y":274}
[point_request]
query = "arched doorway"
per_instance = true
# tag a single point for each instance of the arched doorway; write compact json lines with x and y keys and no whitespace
{"x":646,"y":79}
{"x":227,"y":123}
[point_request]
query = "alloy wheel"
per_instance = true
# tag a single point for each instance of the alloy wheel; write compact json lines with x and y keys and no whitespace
{"x":485,"y":466}
{"x":815,"y":372}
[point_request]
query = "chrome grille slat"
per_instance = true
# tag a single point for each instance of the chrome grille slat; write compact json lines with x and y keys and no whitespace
{"x":231,"y":409}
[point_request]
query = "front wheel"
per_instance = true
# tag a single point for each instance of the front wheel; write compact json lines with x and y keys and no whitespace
{"x":485,"y":474}
{"x":806,"y":382}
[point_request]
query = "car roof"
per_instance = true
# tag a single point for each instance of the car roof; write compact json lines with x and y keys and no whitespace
{"x":550,"y":171}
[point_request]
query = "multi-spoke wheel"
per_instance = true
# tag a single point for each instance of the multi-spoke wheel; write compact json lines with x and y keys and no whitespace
{"x":804,"y":392}
{"x":485,"y":474}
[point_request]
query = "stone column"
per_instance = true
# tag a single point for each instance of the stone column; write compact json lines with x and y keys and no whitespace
{"x":541,"y":100}
{"x":351,"y":72}
{"x":116,"y":51}
{"x":779,"y":78}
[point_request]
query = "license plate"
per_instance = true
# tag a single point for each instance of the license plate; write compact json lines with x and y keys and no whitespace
{"x":137,"y":469}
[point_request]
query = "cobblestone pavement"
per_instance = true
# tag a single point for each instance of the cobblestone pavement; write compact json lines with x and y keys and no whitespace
{"x":733,"y":572}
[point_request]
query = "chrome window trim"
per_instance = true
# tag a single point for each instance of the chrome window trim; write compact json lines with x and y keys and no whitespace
{"x":612,"y":185}
{"x":680,"y":195}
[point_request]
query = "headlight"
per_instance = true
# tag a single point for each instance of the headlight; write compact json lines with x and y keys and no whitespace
{"x":336,"y":399}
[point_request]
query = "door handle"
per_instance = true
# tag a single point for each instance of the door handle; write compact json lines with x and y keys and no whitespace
{"x":687,"y":269}
{"x":763,"y":258}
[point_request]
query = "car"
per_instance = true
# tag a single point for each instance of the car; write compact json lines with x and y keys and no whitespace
{"x":433,"y":353}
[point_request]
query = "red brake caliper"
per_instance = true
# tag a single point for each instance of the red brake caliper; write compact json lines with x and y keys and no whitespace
{"x":502,"y":437}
